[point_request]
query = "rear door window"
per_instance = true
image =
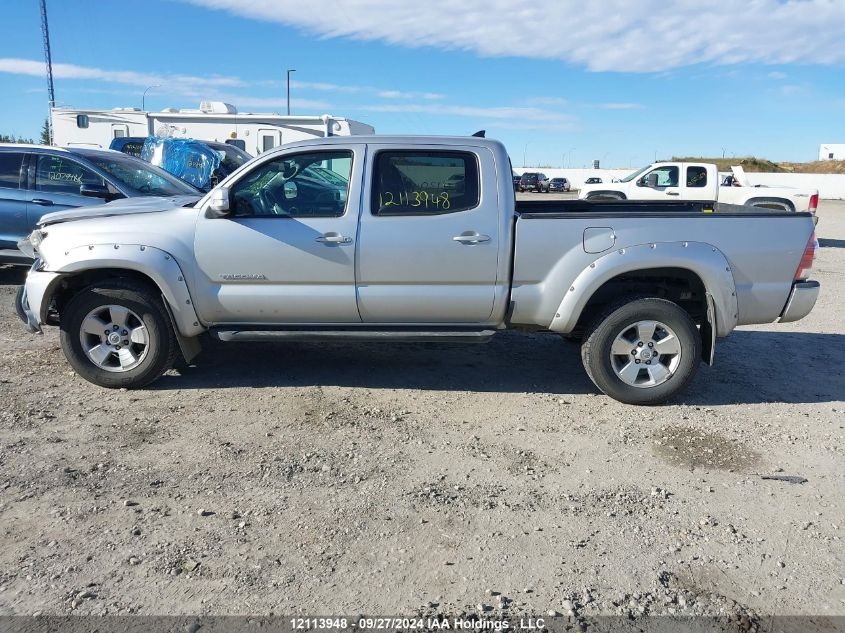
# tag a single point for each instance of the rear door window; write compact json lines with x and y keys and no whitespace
{"x":10,"y":169}
{"x":59,"y":174}
{"x":696,"y":176}
{"x":408,"y":182}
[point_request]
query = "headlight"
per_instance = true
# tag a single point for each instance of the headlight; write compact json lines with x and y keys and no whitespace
{"x":29,"y":246}
{"x":36,"y":237}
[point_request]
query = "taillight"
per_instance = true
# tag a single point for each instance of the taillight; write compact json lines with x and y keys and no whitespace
{"x":814,"y":203}
{"x":806,"y":263}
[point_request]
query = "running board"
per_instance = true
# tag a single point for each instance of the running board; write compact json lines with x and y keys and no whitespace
{"x":417,"y":336}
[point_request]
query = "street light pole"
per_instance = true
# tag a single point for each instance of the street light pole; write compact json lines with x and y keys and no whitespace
{"x":571,"y":149}
{"x":524,"y":151}
{"x":290,"y":70}
{"x":144,"y":96}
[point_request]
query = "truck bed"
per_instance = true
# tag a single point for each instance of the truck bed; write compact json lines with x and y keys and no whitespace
{"x":761,"y":248}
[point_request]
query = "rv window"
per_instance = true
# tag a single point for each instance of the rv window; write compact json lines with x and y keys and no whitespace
{"x":119,"y":132}
{"x":267,"y":142}
{"x":81,"y":120}
{"x":237,"y":142}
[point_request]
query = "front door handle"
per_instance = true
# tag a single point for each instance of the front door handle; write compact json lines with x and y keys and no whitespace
{"x":471,"y":238}
{"x":334,"y":238}
{"x":42,"y":202}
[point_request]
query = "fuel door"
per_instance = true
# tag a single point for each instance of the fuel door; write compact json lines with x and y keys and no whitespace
{"x":598,"y":239}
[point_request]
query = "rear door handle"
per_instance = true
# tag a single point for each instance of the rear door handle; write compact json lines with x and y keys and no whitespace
{"x":42,"y":202}
{"x":334,"y":238}
{"x":471,"y":238}
{"x":672,"y":193}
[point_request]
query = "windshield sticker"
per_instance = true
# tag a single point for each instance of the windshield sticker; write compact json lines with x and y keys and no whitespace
{"x":414,"y":199}
{"x":62,"y":176}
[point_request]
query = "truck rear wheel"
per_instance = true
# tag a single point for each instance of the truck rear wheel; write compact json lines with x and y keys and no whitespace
{"x":643,"y":351}
{"x":118,"y":334}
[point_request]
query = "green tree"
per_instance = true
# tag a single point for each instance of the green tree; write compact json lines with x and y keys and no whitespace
{"x":45,"y":132}
{"x":11,"y":138}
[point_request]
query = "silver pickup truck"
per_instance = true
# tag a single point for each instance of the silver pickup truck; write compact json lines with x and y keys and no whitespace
{"x":411,"y":238}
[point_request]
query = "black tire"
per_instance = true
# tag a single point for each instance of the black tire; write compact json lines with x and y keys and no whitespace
{"x":144,"y":302}
{"x":595,"y":351}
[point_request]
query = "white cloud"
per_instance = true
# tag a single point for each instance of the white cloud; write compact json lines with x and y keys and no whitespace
{"x":324,"y":87}
{"x":547,"y":101}
{"x":72,"y":71}
{"x":614,"y":35}
{"x":402,"y":94}
{"x":202,"y":87}
{"x":504,"y":116}
{"x":242,"y":101}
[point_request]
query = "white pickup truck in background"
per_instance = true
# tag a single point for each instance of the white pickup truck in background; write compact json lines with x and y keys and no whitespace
{"x":700,"y":181}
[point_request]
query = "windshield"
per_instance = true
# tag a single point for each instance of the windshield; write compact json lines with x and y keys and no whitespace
{"x":630,"y":177}
{"x":141,"y":176}
{"x":529,"y":176}
{"x":558,"y":179}
{"x":230,"y":156}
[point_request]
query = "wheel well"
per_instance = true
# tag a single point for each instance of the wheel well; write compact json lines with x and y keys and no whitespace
{"x":772,"y":203}
{"x":679,"y":285}
{"x":606,"y":195}
{"x":68,"y":285}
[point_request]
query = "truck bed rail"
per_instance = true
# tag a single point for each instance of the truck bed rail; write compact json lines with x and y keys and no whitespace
{"x":546,"y":209}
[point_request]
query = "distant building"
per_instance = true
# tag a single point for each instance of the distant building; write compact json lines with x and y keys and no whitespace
{"x":832,"y":151}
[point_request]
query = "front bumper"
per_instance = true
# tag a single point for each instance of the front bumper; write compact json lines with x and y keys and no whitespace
{"x":29,"y":319}
{"x":32,"y":297}
{"x":801,"y":301}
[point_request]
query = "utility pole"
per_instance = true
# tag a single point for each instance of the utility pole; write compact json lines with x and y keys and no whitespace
{"x":45,"y":34}
{"x":290,"y":70}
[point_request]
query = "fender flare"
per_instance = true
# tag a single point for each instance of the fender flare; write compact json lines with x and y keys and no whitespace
{"x":160,"y":266}
{"x":700,"y":258}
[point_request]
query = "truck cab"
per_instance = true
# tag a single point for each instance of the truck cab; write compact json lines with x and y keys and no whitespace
{"x":660,"y":181}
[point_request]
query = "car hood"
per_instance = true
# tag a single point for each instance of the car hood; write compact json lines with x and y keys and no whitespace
{"x":125,"y":206}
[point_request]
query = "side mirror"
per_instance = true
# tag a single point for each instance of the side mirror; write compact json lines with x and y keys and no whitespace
{"x":218,"y":205}
{"x":651,"y":180}
{"x":96,"y":191}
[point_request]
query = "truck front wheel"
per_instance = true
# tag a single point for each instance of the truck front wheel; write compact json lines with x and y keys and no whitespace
{"x":118,"y":334}
{"x":643,"y":351}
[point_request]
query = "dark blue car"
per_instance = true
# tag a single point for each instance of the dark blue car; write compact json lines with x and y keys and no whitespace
{"x":37,"y":179}
{"x":181,"y":157}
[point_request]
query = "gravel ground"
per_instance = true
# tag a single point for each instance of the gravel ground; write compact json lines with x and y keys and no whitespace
{"x":404,"y":479}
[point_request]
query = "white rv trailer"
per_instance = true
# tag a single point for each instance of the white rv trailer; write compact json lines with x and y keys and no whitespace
{"x":253,"y":132}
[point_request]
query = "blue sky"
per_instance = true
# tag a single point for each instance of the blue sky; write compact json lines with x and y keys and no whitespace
{"x":562,"y":84}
